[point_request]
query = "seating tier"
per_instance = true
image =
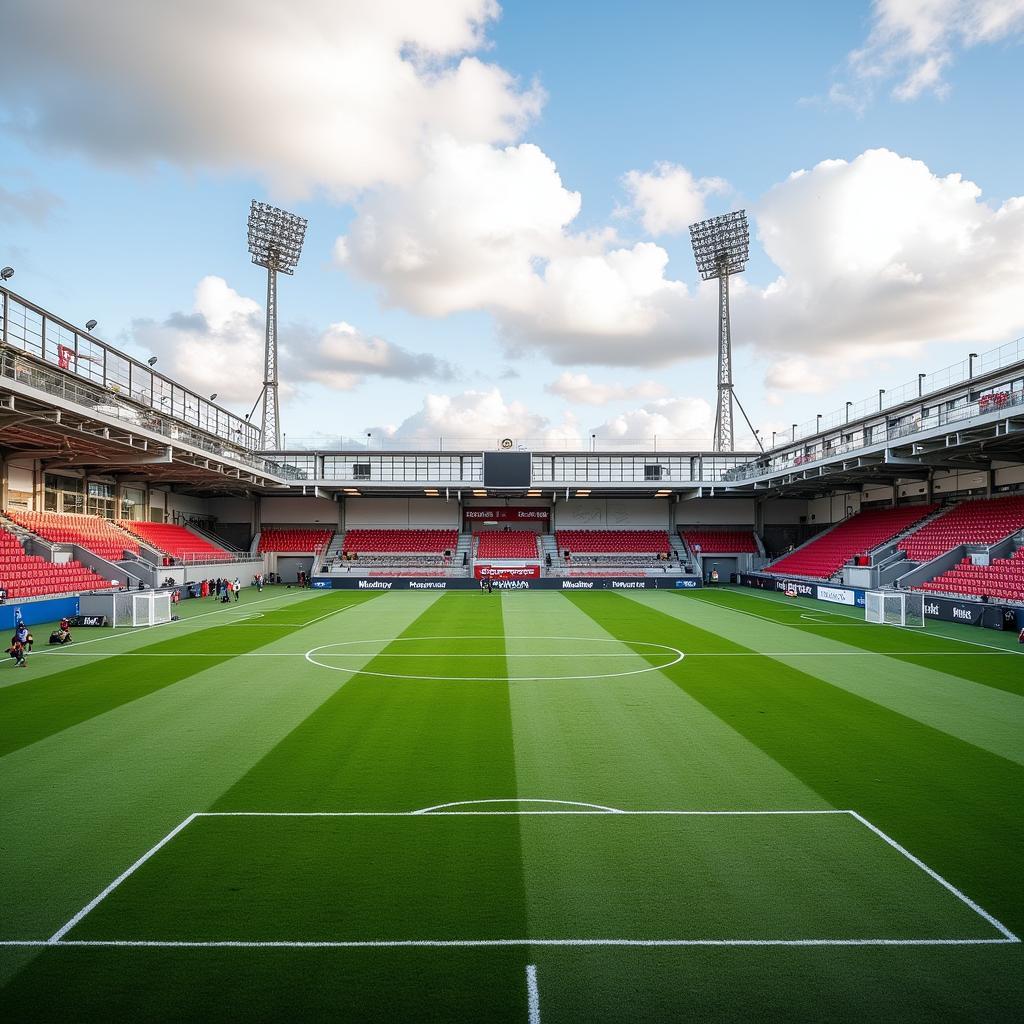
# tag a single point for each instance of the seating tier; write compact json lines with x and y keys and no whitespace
{"x":293,"y":539}
{"x":174,"y":540}
{"x":974,"y":522}
{"x":363,"y":541}
{"x":24,"y":575}
{"x":825,"y":556}
{"x":507,"y":544}
{"x":645,"y":542}
{"x":721,"y":541}
{"x":93,"y":532}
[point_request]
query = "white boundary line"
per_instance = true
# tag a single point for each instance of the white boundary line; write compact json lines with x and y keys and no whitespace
{"x":57,"y":939}
{"x":761,"y":597}
{"x":532,"y":994}
{"x":310,"y":657}
{"x":191,"y":618}
{"x":1010,"y":937}
{"x":93,"y":903}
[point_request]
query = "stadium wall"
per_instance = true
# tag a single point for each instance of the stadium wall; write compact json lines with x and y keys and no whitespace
{"x":716,"y":512}
{"x":301,"y":511}
{"x":419,"y":513}
{"x":612,"y":514}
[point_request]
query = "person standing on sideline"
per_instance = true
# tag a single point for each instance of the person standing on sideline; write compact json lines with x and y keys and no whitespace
{"x":238,"y":587}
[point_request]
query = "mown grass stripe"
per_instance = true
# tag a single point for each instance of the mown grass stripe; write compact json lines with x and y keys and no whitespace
{"x":39,"y":708}
{"x":951,"y":803}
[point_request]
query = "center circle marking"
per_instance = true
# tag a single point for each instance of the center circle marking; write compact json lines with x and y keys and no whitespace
{"x":677,"y":657}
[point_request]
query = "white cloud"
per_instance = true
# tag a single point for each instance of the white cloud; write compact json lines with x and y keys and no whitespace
{"x":579,"y":388}
{"x":668,"y":419}
{"x":881,"y":252}
{"x":480,"y":417}
{"x":669,"y":198}
{"x":311,"y":94}
{"x":218,"y":347}
{"x":799,"y":375}
{"x":913,"y":42}
{"x":875,"y":252}
{"x":488,"y":228}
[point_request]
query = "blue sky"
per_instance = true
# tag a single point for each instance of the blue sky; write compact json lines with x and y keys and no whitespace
{"x":469,"y":297}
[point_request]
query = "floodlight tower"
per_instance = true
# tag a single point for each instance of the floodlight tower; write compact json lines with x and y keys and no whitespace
{"x":275,"y":241}
{"x":721,"y":246}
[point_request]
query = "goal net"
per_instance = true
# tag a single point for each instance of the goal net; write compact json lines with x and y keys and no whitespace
{"x":896,"y":608}
{"x":150,"y":609}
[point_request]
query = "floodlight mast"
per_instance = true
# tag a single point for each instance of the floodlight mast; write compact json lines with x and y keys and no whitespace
{"x":275,"y":242}
{"x":721,"y":247}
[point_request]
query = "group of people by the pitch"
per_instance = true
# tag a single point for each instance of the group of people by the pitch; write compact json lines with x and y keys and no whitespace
{"x":23,"y":640}
{"x":221,"y":589}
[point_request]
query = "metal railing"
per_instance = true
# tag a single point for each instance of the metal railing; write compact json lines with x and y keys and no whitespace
{"x":890,"y":398}
{"x":25,"y":369}
{"x":984,"y":406}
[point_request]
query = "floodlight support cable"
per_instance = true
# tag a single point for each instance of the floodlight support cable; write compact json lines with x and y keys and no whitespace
{"x":757,"y":436}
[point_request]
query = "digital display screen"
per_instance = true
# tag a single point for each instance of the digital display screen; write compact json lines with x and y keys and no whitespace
{"x":506,"y":469}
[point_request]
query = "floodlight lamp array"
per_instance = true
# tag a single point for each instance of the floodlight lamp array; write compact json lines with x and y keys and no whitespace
{"x":275,"y":237}
{"x":721,"y":245}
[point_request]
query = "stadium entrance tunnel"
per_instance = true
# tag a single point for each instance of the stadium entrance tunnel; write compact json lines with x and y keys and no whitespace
{"x":496,"y":659}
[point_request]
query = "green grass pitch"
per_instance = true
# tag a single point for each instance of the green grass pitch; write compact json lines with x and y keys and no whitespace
{"x":519,"y":807}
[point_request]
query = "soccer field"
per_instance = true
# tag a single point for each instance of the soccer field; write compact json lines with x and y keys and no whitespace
{"x":525,"y":807}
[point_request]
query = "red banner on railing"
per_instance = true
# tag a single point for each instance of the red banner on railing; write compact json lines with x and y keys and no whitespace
{"x":503,"y":513}
{"x":506,"y":572}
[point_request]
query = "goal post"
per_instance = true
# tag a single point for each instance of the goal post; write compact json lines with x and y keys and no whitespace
{"x":150,"y":609}
{"x":894,"y":608}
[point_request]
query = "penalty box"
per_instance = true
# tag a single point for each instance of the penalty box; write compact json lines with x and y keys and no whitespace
{"x":530,"y":877}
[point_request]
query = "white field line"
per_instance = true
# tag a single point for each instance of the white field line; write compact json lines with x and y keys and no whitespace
{"x":934,"y":875}
{"x":134,"y":632}
{"x":943,"y":636}
{"x":532,"y":994}
{"x":93,"y":903}
{"x":603,"y":657}
{"x":471,"y":943}
{"x":1007,"y":937}
{"x":520,"y":800}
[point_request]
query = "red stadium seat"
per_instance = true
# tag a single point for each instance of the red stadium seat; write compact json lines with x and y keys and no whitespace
{"x":24,"y":575}
{"x":174,"y":540}
{"x":616,"y":542}
{"x":362,"y":541}
{"x":826,"y":555}
{"x":507,"y":544}
{"x":296,"y":539}
{"x":99,"y":535}
{"x":720,"y":542}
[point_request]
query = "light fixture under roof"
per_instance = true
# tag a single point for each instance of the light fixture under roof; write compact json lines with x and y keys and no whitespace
{"x":431,"y":492}
{"x":583,"y":494}
{"x":479,"y":494}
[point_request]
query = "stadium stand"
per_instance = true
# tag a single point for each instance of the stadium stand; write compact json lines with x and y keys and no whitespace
{"x":174,"y":540}
{"x":1003,"y":579}
{"x":507,"y":544}
{"x":721,"y":541}
{"x":825,"y":555}
{"x":650,"y":542}
{"x":98,"y":535}
{"x":285,"y":540}
{"x":361,"y":541}
{"x":24,"y":575}
{"x":983,"y":521}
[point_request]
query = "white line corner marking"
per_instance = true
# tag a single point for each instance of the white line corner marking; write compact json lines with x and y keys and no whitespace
{"x":440,"y":810}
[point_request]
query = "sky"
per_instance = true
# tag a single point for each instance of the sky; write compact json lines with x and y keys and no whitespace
{"x":499,"y":197}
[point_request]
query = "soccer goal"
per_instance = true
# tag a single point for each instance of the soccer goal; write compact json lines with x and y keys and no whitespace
{"x":894,"y":608}
{"x":149,"y":609}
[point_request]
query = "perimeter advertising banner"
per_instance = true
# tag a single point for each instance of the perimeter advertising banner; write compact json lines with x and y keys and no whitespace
{"x":377,"y":583}
{"x":970,"y":613}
